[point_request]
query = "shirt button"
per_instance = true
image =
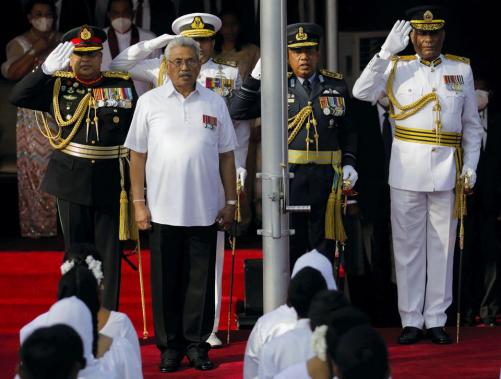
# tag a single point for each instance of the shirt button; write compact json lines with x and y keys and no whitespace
{"x":93,"y":142}
{"x":93,"y":161}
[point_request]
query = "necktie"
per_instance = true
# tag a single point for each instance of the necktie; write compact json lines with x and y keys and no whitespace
{"x":139,"y":13}
{"x":387,"y":139}
{"x":307,"y":86}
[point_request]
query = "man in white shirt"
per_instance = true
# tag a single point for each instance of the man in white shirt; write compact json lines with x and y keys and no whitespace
{"x":182,"y":134}
{"x":218,"y":75}
{"x":123,"y":33}
{"x":435,"y":150}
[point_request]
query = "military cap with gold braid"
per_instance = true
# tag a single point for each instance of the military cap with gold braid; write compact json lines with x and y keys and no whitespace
{"x":197,"y":25}
{"x":303,"y":34}
{"x":86,"y":38}
{"x":427,"y":17}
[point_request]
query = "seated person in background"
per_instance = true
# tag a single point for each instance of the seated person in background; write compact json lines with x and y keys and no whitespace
{"x":276,"y":355}
{"x":283,"y":318}
{"x":54,"y":352}
{"x":72,"y":312}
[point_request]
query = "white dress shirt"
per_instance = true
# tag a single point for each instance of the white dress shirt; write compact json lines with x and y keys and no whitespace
{"x":182,"y":168}
{"x":416,"y":166}
{"x":285,"y":350}
{"x":267,"y":327}
{"x":296,"y":371}
{"x":119,"y":325}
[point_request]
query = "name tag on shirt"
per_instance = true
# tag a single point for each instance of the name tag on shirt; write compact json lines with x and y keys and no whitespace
{"x":210,"y":122}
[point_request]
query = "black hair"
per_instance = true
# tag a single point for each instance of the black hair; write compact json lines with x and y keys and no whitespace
{"x":81,"y":282}
{"x":112,"y":1}
{"x":361,"y":353}
{"x":323,"y":305}
{"x":31,"y":3}
{"x":340,"y":322}
{"x":241,"y":38}
{"x":51,"y":353}
{"x":303,"y":287}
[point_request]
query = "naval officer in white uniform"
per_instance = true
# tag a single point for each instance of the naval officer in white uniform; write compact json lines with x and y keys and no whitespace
{"x":435,"y":150}
{"x":218,"y":75}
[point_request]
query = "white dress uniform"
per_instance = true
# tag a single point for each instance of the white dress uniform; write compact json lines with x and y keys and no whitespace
{"x":423,"y":175}
{"x":214,"y":74}
{"x":286,"y":350}
{"x":123,"y":40}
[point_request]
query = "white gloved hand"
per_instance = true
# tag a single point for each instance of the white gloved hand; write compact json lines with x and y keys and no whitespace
{"x":241,"y":175}
{"x":58,"y":59}
{"x":469,"y":173}
{"x":349,"y":173}
{"x":256,"y":71}
{"x":397,"y":40}
{"x":158,"y":42}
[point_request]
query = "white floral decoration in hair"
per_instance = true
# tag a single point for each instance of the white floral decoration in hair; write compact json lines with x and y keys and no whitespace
{"x":67,"y":266}
{"x":95,"y":266}
{"x":319,"y":343}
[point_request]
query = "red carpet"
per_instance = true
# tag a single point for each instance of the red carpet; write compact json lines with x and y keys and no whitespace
{"x":28,"y":287}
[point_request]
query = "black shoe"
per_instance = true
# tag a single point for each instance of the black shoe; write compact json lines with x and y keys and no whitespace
{"x":170,"y":360}
{"x":439,"y":336}
{"x":410,"y":335}
{"x":199,"y":358}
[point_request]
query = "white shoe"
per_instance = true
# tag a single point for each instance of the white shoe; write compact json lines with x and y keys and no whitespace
{"x":214,"y":341}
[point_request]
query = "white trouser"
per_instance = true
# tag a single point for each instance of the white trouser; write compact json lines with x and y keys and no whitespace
{"x":424,"y":233}
{"x":242,"y":131}
{"x":219,"y":278}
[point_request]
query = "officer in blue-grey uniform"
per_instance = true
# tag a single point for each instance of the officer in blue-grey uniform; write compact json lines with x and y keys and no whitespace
{"x":218,"y":75}
{"x":86,"y":172}
{"x":321,"y":142}
{"x":434,"y":156}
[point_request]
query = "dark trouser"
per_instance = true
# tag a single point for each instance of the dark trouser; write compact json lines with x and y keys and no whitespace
{"x":97,"y":225}
{"x":480,"y":261}
{"x":182,"y":284}
{"x":311,"y":185}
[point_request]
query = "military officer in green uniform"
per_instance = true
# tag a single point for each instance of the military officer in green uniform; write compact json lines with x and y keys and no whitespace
{"x":86,"y":172}
{"x":321,"y":141}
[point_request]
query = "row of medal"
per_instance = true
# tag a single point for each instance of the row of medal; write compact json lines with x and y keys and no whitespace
{"x":454,"y":82}
{"x":113,"y":97}
{"x":221,"y":86}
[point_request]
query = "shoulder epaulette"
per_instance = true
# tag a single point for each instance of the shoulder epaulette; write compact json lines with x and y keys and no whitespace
{"x":406,"y":57}
{"x":289,"y":74}
{"x":331,"y":74}
{"x":116,"y":74}
{"x":64,"y":74}
{"x":457,"y":58}
{"x":225,"y":62}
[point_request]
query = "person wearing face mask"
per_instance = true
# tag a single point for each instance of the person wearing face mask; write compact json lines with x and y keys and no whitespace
{"x":123,"y":33}
{"x":433,"y":160}
{"x":481,"y":246}
{"x":37,"y":210}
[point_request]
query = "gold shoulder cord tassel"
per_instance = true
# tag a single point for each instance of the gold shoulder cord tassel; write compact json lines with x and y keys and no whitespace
{"x":305,"y":115}
{"x":334,"y":228}
{"x":162,"y":71}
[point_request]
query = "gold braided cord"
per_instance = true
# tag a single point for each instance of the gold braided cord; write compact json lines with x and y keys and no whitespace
{"x":410,"y":109}
{"x":55,"y":140}
{"x":162,"y":71}
{"x":82,"y":106}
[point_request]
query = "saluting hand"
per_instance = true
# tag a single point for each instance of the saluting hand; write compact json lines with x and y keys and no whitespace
{"x":397,"y":40}
{"x":158,"y":42}
{"x":58,"y":59}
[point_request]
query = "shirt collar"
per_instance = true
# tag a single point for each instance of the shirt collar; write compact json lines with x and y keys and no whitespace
{"x":169,"y":87}
{"x":433,"y":63}
{"x":311,"y":78}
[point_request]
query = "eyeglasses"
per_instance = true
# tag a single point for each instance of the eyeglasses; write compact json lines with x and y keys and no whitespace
{"x":178,"y":63}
